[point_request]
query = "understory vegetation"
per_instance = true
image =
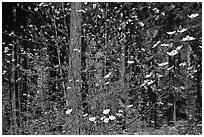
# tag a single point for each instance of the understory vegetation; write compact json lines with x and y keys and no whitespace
{"x":98,"y":68}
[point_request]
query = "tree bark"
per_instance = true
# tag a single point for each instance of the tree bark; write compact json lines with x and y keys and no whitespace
{"x":14,"y":85}
{"x":74,"y":83}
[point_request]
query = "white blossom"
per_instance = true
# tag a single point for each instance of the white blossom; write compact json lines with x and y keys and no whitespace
{"x":68,"y":111}
{"x":106,"y":111}
{"x":6,"y":49}
{"x":179,"y":48}
{"x":166,"y":45}
{"x":108,"y":75}
{"x":148,"y":75}
{"x":188,"y":38}
{"x":36,"y":9}
{"x":68,"y":87}
{"x":155,"y":10}
{"x":171,"y":33}
{"x":106,"y":120}
{"x":150,"y":82}
{"x":92,"y":119}
{"x":182,"y":30}
{"x":141,"y":24}
{"x":77,"y":50}
{"x":85,"y":115}
{"x":193,"y":15}
{"x":120,"y":111}
{"x":119,"y":114}
{"x":172,"y":53}
{"x":112,"y":117}
{"x":130,"y":62}
{"x":102,"y":118}
{"x":129,"y":106}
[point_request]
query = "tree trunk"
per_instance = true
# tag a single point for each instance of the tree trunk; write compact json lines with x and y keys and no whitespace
{"x":74,"y":83}
{"x":14,"y":77}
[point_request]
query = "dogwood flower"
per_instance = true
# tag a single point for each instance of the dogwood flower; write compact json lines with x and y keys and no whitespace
{"x":150,"y":82}
{"x":171,"y":33}
{"x":179,"y":48}
{"x":68,"y":111}
{"x":106,"y":120}
{"x":120,"y":111}
{"x":130,"y":62}
{"x":188,"y":38}
{"x":182,"y":30}
{"x":141,"y":24}
{"x":172,"y":53}
{"x":108,"y":75}
{"x":167,"y":45}
{"x":92,"y":119}
{"x":193,"y":15}
{"x":148,"y":75}
{"x":129,"y":106}
{"x":85,"y":115}
{"x":102,"y":118}
{"x":112,"y":117}
{"x":106,"y":111}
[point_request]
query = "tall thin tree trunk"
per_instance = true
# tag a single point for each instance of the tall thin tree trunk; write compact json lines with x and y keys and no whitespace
{"x":14,"y":78}
{"x":74,"y":76}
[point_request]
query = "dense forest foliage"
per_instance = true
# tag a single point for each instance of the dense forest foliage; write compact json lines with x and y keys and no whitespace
{"x":101,"y":68}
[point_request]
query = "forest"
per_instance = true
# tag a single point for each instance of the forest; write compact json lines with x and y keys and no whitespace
{"x":101,"y":68}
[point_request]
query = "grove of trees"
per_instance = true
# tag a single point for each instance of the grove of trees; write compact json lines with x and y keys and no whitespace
{"x":101,"y":68}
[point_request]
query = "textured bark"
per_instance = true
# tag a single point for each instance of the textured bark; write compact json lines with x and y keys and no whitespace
{"x":14,"y":77}
{"x":74,"y":83}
